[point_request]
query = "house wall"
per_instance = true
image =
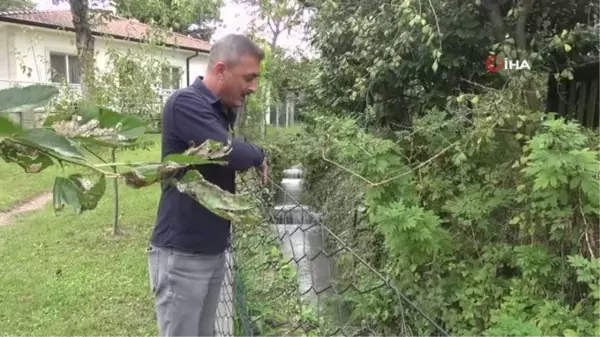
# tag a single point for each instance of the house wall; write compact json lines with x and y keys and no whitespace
{"x":25,"y":58}
{"x":4,"y":62}
{"x":25,"y":53}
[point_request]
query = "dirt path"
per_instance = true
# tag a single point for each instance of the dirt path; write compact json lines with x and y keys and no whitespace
{"x":33,"y":204}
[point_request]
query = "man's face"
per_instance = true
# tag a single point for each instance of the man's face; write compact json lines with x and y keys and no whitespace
{"x":238,"y":80}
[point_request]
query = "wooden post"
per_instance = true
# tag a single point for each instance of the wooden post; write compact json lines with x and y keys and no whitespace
{"x":287,"y":113}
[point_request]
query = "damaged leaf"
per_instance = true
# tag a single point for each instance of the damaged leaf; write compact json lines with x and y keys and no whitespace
{"x":185,"y":159}
{"x":236,"y":208}
{"x":99,"y":126}
{"x":78,"y":192}
{"x":147,"y":174}
{"x":29,"y":158}
{"x":210,"y":149}
{"x":143,"y":175}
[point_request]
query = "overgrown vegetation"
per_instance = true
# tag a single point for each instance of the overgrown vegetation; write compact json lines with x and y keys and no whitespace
{"x":493,"y":232}
{"x":452,"y":181}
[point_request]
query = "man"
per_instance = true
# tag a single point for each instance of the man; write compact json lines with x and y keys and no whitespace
{"x":186,"y":258}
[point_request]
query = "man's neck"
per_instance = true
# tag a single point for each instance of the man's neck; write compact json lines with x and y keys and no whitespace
{"x":211,"y":84}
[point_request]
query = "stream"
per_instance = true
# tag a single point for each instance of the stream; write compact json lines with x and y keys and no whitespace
{"x":302,"y":238}
{"x":302,"y":242}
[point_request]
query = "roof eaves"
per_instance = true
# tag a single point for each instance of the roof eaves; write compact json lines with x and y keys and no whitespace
{"x":7,"y":16}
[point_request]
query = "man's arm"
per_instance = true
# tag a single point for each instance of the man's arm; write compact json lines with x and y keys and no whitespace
{"x":196,"y":120}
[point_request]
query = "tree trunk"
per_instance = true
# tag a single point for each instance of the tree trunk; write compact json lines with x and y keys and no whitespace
{"x":521,"y":41}
{"x":494,"y":11}
{"x":84,"y":41}
{"x":113,"y":157}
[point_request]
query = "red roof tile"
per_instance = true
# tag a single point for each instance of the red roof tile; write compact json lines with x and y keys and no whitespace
{"x":117,"y":26}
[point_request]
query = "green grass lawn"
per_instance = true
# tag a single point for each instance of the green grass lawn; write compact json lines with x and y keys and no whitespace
{"x":67,"y":274}
{"x":18,"y":185}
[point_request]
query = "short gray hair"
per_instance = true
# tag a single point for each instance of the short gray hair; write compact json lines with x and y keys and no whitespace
{"x":231,"y":48}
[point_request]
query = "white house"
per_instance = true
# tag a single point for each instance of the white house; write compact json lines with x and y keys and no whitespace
{"x":39,"y":47}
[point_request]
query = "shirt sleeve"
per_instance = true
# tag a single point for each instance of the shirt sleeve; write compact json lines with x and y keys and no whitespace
{"x":196,"y":120}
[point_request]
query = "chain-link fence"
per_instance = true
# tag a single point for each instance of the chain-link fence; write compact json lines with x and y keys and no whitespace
{"x":291,"y":275}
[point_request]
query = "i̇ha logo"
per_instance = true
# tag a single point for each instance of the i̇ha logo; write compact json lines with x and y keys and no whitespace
{"x":494,"y":63}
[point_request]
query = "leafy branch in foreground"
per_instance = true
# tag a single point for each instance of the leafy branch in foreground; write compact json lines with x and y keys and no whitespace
{"x":64,"y":134}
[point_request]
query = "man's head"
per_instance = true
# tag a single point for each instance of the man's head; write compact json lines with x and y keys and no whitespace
{"x":233,"y":69}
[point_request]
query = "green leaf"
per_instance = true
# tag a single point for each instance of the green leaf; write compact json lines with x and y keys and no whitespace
{"x":65,"y":193}
{"x":563,"y":34}
{"x":144,"y":175}
{"x":556,"y":40}
{"x":567,"y":47}
{"x":88,"y":193}
{"x":49,"y":142}
{"x":55,"y":118}
{"x":30,"y":159}
{"x":570,"y":333}
{"x":8,"y":127}
{"x":26,"y":98}
{"x":211,"y":149}
{"x":595,"y":290}
{"x":147,"y":174}
{"x":567,"y":73}
{"x":128,"y":126}
{"x":78,"y":192}
{"x":100,"y":126}
{"x":185,"y":159}
{"x":236,"y":208}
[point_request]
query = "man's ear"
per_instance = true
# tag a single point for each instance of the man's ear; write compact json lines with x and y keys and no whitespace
{"x":219,"y":68}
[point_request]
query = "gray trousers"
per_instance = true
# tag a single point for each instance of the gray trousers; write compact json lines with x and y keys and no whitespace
{"x":186,"y":288}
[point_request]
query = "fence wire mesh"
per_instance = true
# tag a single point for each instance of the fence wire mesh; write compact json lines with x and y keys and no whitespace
{"x":291,"y":275}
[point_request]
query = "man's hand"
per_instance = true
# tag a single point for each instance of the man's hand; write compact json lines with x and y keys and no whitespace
{"x":263,"y":170}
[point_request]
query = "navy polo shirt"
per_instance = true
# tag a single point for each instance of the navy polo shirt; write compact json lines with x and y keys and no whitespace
{"x":196,"y":114}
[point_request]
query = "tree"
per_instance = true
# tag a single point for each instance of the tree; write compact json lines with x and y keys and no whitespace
{"x":84,"y":41}
{"x":281,"y":69}
{"x":399,"y":57}
{"x":196,"y":17}
{"x":271,"y":18}
{"x":7,"y":5}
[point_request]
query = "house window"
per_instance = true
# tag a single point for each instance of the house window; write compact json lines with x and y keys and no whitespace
{"x":171,"y":78}
{"x":64,"y":67}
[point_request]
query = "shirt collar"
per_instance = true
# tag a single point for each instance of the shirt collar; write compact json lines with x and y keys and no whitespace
{"x":198,"y":84}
